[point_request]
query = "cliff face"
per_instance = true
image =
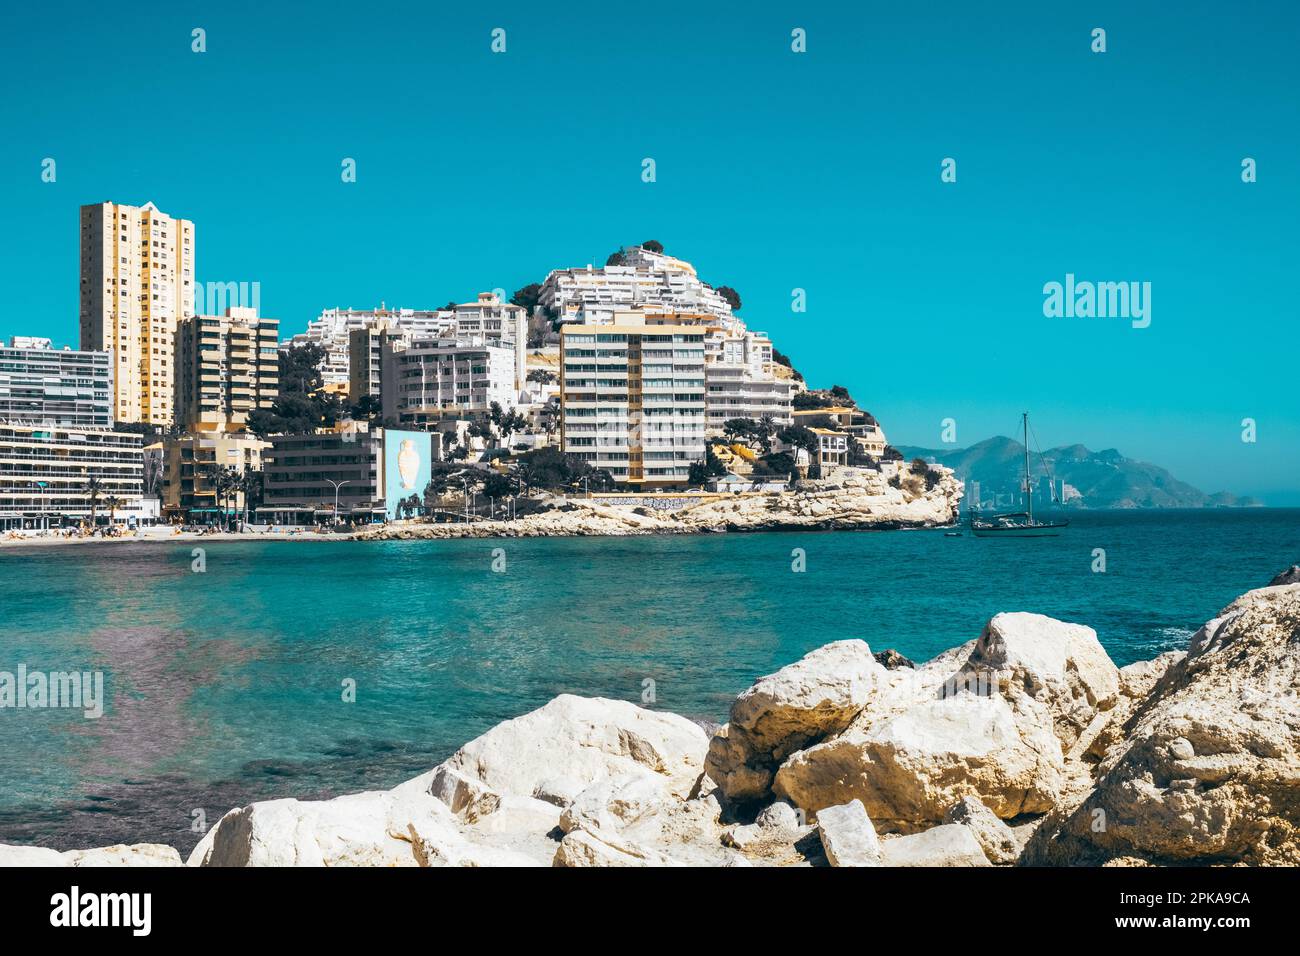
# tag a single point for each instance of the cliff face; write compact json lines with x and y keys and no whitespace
{"x":851,"y":498}
{"x":1026,"y":745}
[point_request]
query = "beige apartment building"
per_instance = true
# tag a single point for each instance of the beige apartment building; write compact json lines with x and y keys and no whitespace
{"x":137,"y":282}
{"x":227,"y":366}
{"x":189,"y":465}
{"x":633,"y":398}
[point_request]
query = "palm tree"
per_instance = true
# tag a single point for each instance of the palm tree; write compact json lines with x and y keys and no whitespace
{"x":250,"y":484}
{"x":112,"y":503}
{"x":94,"y":488}
{"x":767,"y":428}
{"x":527,"y":476}
{"x":232,"y":479}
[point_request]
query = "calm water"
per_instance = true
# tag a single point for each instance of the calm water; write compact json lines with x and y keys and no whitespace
{"x":226,"y":686}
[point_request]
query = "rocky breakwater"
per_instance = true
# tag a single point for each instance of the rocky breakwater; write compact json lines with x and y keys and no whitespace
{"x":852,"y":498}
{"x":1026,"y":745}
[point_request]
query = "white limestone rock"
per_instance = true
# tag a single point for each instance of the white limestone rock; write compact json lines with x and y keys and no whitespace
{"x":947,"y":845}
{"x":14,"y":855}
{"x":784,"y":712}
{"x":847,"y":835}
{"x":1209,"y":768}
{"x":993,"y":719}
{"x":578,"y":740}
{"x":910,"y":769}
{"x":1058,"y":664}
{"x":364,"y":829}
{"x":137,"y":854}
{"x":996,"y":839}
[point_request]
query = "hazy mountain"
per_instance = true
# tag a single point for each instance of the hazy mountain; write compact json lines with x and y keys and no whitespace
{"x":1103,"y":479}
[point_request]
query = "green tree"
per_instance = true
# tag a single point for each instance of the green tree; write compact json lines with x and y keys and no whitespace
{"x":731,"y":295}
{"x":497,"y":485}
{"x":250,"y":487}
{"x":302,"y":405}
{"x":653,"y":245}
{"x":94,"y":489}
{"x":528,"y":296}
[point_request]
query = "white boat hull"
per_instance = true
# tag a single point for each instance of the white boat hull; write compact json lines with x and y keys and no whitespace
{"x":1012,"y":531}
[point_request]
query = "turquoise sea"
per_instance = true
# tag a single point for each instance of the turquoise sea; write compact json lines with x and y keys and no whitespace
{"x":227,"y":686}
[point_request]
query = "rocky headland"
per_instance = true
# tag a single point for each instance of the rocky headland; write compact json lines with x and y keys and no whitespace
{"x":1025,"y":746}
{"x":852,"y":498}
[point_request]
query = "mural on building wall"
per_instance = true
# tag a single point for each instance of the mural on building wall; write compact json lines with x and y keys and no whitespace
{"x":407,"y":458}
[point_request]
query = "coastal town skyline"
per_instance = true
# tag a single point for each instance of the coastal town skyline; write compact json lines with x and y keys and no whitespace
{"x":671,"y":436}
{"x":907,"y":278}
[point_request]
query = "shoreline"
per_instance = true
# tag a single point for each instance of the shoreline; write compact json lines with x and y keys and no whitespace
{"x":1001,"y":751}
{"x":856,"y":500}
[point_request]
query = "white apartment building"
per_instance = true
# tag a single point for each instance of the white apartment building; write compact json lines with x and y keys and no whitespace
{"x":424,"y":381}
{"x":43,"y":385}
{"x":593,"y":296}
{"x":733,"y":391}
{"x":488,"y":318}
{"x":330,"y":330}
{"x":137,"y":282}
{"x":740,"y":381}
{"x":45,"y":474}
{"x":632,"y":397}
{"x":498,"y":322}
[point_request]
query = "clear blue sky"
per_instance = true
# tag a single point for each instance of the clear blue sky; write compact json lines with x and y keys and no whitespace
{"x":775,"y":171}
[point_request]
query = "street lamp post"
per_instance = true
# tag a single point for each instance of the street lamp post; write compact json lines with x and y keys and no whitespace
{"x":337,"y":485}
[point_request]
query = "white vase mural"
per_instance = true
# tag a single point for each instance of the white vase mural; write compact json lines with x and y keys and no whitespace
{"x":408,"y":464}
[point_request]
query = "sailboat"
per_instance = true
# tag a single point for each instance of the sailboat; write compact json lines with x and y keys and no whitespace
{"x":1020,"y":524}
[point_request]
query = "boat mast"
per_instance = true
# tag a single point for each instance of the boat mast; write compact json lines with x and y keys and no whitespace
{"x":1029,"y":492}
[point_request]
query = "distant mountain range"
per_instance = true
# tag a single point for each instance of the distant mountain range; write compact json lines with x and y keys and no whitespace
{"x":1083,"y":478}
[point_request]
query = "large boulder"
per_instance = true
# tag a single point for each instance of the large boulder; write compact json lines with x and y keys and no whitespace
{"x":909,"y":770}
{"x":14,"y":855}
{"x":557,"y":751}
{"x":1060,"y":665}
{"x":633,"y":829}
{"x":137,"y":854}
{"x":784,"y":712}
{"x":364,"y":829}
{"x":994,"y":719}
{"x":1209,"y":768}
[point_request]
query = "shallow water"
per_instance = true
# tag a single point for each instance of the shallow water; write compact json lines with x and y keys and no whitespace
{"x":227,"y":685}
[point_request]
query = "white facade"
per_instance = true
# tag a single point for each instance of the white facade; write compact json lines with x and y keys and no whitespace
{"x":331,"y":328}
{"x":740,"y":382}
{"x":43,"y":385}
{"x":592,"y":296}
{"x":734,"y":391}
{"x":426,"y":380}
{"x":486,"y":318}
